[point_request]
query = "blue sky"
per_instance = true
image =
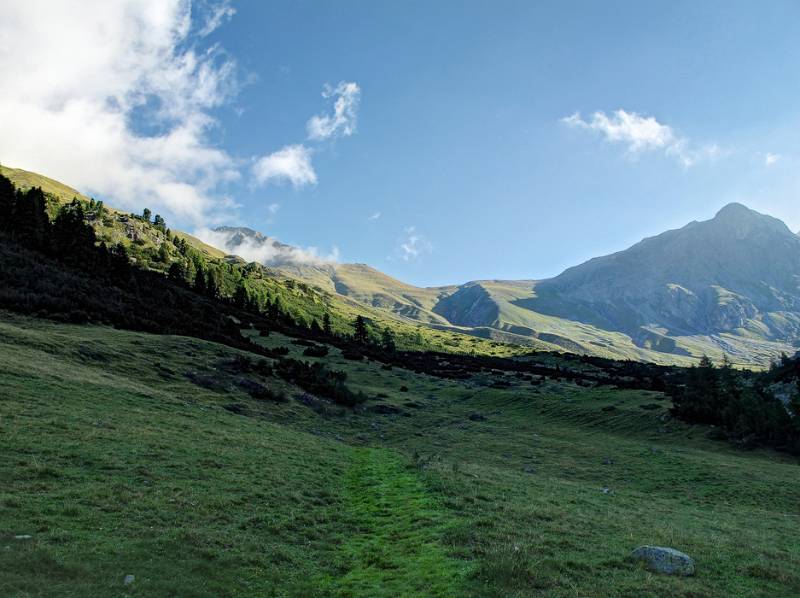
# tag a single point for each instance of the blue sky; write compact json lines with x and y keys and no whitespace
{"x":475,"y":139}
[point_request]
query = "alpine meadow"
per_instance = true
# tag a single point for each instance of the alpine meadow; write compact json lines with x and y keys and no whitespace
{"x":356,"y":299}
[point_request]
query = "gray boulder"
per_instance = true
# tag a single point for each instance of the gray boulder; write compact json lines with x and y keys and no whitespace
{"x":665,"y":560}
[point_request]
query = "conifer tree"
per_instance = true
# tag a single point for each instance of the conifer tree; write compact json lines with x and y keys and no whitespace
{"x":387,"y":340}
{"x":7,"y":202}
{"x":360,"y":334}
{"x":326,"y":324}
{"x":200,"y":282}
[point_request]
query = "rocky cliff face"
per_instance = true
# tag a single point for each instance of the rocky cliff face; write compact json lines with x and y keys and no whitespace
{"x":470,"y":305}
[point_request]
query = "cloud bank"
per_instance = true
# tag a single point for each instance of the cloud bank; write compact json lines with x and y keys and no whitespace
{"x":642,"y":134}
{"x":255,"y":247}
{"x":75,"y":81}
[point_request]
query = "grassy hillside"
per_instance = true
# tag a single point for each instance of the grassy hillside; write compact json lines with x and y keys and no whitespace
{"x":133,"y":454}
{"x":157,"y":248}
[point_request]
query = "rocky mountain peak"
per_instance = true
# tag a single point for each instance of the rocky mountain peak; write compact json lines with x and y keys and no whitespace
{"x":742,"y":220}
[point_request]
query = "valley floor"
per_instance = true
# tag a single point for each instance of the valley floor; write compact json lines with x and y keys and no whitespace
{"x":127,"y":454}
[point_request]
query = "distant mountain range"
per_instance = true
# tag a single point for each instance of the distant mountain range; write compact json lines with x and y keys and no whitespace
{"x":727,"y":285}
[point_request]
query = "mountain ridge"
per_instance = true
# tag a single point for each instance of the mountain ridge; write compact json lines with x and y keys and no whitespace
{"x":728,"y":285}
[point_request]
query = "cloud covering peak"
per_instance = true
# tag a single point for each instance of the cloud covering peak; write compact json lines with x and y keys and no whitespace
{"x":256,"y":247}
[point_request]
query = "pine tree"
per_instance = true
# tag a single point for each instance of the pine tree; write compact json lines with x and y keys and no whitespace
{"x":7,"y":202}
{"x":146,"y":214}
{"x":326,"y":324}
{"x":30,"y":224}
{"x":240,"y":297}
{"x":119,"y":266}
{"x":387,"y":340}
{"x":176,"y":272}
{"x":163,"y":253}
{"x":200,"y":282}
{"x":360,"y":334}
{"x":72,"y":239}
{"x":315,"y":328}
{"x":212,"y":285}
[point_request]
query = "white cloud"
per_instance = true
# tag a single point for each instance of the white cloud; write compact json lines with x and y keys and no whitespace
{"x":345,"y":111}
{"x":413,"y":245}
{"x":217,"y":15}
{"x":771,"y":159}
{"x":374,"y":216}
{"x":77,"y":74}
{"x":264,"y":250}
{"x":291,"y":163}
{"x":642,"y":134}
{"x":273,"y":208}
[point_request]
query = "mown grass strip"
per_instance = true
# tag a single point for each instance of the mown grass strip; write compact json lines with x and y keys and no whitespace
{"x":396,"y":549}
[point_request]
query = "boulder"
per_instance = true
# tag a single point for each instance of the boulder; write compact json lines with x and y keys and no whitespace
{"x":665,"y":560}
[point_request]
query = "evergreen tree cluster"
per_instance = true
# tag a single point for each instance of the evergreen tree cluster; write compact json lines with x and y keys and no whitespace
{"x":743,"y":405}
{"x":100,"y":283}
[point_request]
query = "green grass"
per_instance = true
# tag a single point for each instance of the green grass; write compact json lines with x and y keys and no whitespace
{"x":116,"y":463}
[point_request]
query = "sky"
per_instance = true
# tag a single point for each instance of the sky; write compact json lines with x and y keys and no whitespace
{"x":440,"y":142}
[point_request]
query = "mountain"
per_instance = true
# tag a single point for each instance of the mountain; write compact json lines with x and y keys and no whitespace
{"x":727,"y":285}
{"x":156,"y":248}
{"x":737,"y":273}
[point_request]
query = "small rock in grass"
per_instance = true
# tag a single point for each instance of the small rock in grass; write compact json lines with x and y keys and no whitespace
{"x":608,"y":461}
{"x":128,"y":580}
{"x":23,"y":537}
{"x":665,"y":560}
{"x":607,"y":490}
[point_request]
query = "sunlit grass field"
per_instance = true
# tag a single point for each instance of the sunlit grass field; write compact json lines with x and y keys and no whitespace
{"x":134,"y":454}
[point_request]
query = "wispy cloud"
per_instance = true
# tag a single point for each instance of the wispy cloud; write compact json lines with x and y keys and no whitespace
{"x":291,"y":163}
{"x":216,"y":15}
{"x":413,"y":245}
{"x":642,"y":134}
{"x":771,"y":159}
{"x":374,"y":216}
{"x":345,"y":113}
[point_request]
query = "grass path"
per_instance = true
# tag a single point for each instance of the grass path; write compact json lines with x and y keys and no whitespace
{"x":396,"y":550}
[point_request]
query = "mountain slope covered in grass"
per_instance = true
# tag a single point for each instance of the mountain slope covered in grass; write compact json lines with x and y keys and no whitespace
{"x":730,"y":285}
{"x":153,"y":247}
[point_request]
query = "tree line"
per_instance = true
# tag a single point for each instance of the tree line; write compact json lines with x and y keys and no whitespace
{"x":749,"y":409}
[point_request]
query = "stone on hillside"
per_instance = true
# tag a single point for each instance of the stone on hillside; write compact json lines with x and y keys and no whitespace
{"x":665,"y":560}
{"x":128,"y":580}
